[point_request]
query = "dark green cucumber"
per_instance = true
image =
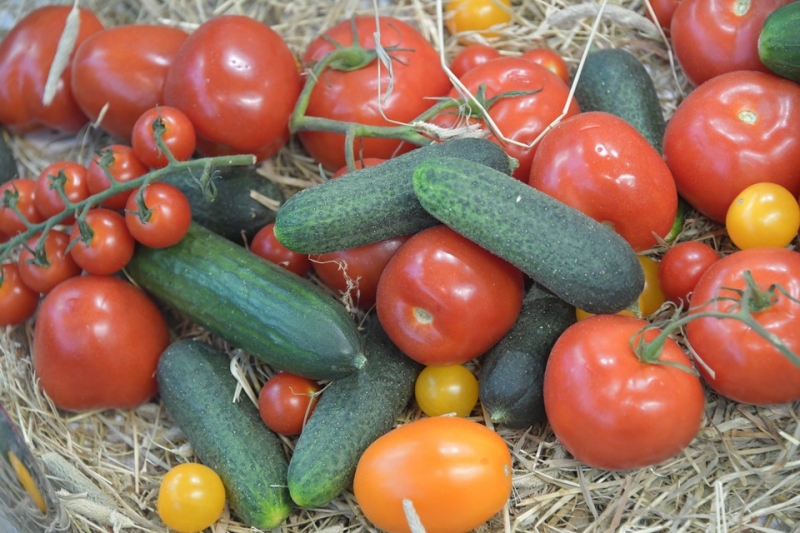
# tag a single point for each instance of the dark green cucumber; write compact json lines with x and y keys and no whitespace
{"x":614,"y":81}
{"x":372,"y":204}
{"x":198,"y":389}
{"x":283,"y":319}
{"x":351,"y":414}
{"x":8,"y":164}
{"x":512,"y":372}
{"x":779,"y":41}
{"x":579,"y":259}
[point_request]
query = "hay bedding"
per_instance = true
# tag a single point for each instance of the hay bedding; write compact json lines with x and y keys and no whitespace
{"x":741,"y":473}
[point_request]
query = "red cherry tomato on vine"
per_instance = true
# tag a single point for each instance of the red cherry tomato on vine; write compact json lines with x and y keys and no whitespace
{"x":476,"y":16}
{"x":163,"y":220}
{"x":682,"y":266}
{"x":470,"y":57}
{"x":178,"y":135}
{"x":110,"y":246}
{"x":59,"y":265}
{"x":18,"y":302}
{"x":286,"y":401}
{"x":24,"y":192}
{"x":267,"y":246}
{"x":550,"y":59}
{"x":123,"y":165}
{"x":73,"y":178}
{"x":763,"y":214}
{"x":191,"y":498}
{"x":441,"y":390}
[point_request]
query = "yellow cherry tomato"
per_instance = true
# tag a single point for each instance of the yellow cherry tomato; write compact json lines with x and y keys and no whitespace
{"x":191,"y":498}
{"x":763,"y":214}
{"x":441,"y":390}
{"x":476,"y":15}
{"x":650,"y":299}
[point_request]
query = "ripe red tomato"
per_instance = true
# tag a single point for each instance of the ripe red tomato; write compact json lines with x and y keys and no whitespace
{"x":22,"y":192}
{"x":712,"y":37}
{"x":108,"y":70}
{"x":444,"y":300}
{"x":352,"y":96}
{"x":599,"y":164}
{"x":682,"y":266}
{"x":178,"y":135}
{"x":733,"y":131}
{"x":123,"y":166}
{"x":472,"y":56}
{"x":164,"y":218}
{"x":72,"y":177}
{"x":18,"y":302}
{"x":611,"y":410}
{"x":732,"y":358}
{"x":519,"y":118}
{"x":286,"y":401}
{"x":550,"y":59}
{"x":59,"y":265}
{"x":109,"y":247}
{"x":238,"y":97}
{"x":664,"y":10}
{"x":97,"y":343}
{"x":456,"y":473}
{"x":26,"y":54}
{"x":267,"y":246}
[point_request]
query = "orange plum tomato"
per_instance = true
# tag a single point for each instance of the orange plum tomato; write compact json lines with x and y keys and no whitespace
{"x":682,"y":266}
{"x":101,"y":244}
{"x":731,"y":357}
{"x":550,"y":59}
{"x":19,"y":192}
{"x":70,"y":178}
{"x":470,"y":57}
{"x":462,"y":16}
{"x":178,"y":135}
{"x":612,"y":410}
{"x":444,"y":300}
{"x":18,"y":302}
{"x":56,"y":264}
{"x":455,"y":472}
{"x":266,"y":246}
{"x":163,"y":217}
{"x":763,"y":214}
{"x":191,"y":498}
{"x":286,"y":401}
{"x":442,"y":390}
{"x":123,"y":166}
{"x":733,"y":131}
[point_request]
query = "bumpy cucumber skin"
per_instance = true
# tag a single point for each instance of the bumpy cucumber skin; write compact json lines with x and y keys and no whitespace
{"x":8,"y":165}
{"x":279,"y":317}
{"x":351,"y":414}
{"x":372,"y":204}
{"x":511,"y":384}
{"x":580,"y":260}
{"x":779,"y":42}
{"x":614,"y":81}
{"x":197,"y":389}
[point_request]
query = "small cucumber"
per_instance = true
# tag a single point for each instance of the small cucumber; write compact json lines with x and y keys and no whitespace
{"x":579,"y":259}
{"x":352,"y":412}
{"x":374,"y":203}
{"x":197,"y":389}
{"x":779,"y":41}
{"x":8,"y":164}
{"x":512,"y":372}
{"x":283,"y":319}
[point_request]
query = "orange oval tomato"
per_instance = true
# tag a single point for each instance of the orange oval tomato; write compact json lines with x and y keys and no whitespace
{"x":455,"y":472}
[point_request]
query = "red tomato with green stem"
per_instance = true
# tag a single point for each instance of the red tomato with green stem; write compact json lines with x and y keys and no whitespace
{"x":55,"y":265}
{"x":471,"y":56}
{"x":70,"y":178}
{"x":20,"y":193}
{"x":682,"y":266}
{"x":122,"y":164}
{"x":267,"y":246}
{"x":550,"y":59}
{"x":18,"y":302}
{"x":101,"y":243}
{"x":177,"y":133}
{"x":159,"y":215}
{"x":286,"y":401}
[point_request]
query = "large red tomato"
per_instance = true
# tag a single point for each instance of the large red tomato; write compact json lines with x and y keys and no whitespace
{"x":108,"y":71}
{"x":599,"y":164}
{"x":733,"y":359}
{"x":365,"y":97}
{"x":733,"y":131}
{"x":96,"y":344}
{"x":237,"y":81}
{"x":26,"y":54}
{"x":444,"y":300}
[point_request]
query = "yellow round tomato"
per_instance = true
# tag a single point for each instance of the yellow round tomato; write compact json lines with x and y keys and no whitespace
{"x":763,"y":214}
{"x":191,"y":498}
{"x":442,"y":390}
{"x":455,"y":472}
{"x":476,"y":15}
{"x":650,"y":299}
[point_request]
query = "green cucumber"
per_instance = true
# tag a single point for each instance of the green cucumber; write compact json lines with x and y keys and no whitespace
{"x":779,"y":41}
{"x":582,"y":261}
{"x":614,"y":81}
{"x":279,"y":317}
{"x":8,"y":164}
{"x":372,"y":204}
{"x":512,"y":372}
{"x":197,"y":388}
{"x":352,"y":412}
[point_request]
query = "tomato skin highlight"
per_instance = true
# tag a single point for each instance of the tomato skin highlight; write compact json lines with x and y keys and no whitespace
{"x":169,"y":218}
{"x":18,"y":302}
{"x":476,"y":16}
{"x":124,"y":167}
{"x":111,"y":246}
{"x":286,"y":401}
{"x":267,"y":246}
{"x":191,"y":498}
{"x":178,"y":135}
{"x":25,"y":189}
{"x":441,"y":390}
{"x":763,"y":214}
{"x":60,"y":264}
{"x":47,"y":199}
{"x":682,"y":266}
{"x":470,"y":57}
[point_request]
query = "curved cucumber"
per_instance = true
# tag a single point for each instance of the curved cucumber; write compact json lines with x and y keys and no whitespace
{"x":779,"y":41}
{"x":8,"y":164}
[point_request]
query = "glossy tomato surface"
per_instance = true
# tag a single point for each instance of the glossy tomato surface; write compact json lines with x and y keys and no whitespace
{"x":64,"y":176}
{"x":122,"y":163}
{"x":471,"y":56}
{"x":162,"y":218}
{"x":550,"y":59}
{"x":43,"y":272}
{"x":763,"y":214}
{"x":191,"y":498}
{"x":682,"y":266}
{"x":176,"y":130}
{"x":18,"y":302}
{"x":479,"y":16}
{"x":446,"y":390}
{"x":107,"y":246}
{"x":731,"y":132}
{"x":267,"y":246}
{"x":286,"y":401}
{"x":21,"y":194}
{"x":664,"y":11}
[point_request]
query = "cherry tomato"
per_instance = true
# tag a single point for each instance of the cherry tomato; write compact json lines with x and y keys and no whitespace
{"x":471,"y":56}
{"x":267,"y":246}
{"x":22,"y":193}
{"x":164,"y":218}
{"x":550,"y":59}
{"x":18,"y":302}
{"x":109,"y":246}
{"x":178,"y":135}
{"x":651,"y":298}
{"x":112,"y":77}
{"x":123,"y":166}
{"x":682,"y":266}
{"x":191,"y":498}
{"x":599,"y":164}
{"x":712,"y":37}
{"x":733,"y":131}
{"x":764,"y":214}
{"x":352,"y":96}
{"x":26,"y":54}
{"x":238,"y":97}
{"x":732,"y":358}
{"x":286,"y":401}
{"x":664,"y":10}
{"x":58,"y":267}
{"x":444,"y":300}
{"x":97,"y":343}
{"x":441,"y":390}
{"x":72,"y":177}
{"x":456,"y":473}
{"x":612,"y":410}
{"x":479,"y":16}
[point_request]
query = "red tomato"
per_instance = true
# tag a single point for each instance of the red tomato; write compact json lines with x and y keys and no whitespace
{"x":519,"y":118}
{"x":712,"y":37}
{"x":59,"y":265}
{"x":123,"y":166}
{"x":18,"y":302}
{"x":612,"y":410}
{"x":72,"y":177}
{"x":472,"y":56}
{"x":444,"y":300}
{"x":599,"y":164}
{"x":109,"y":245}
{"x":238,"y":97}
{"x":22,"y":192}
{"x":108,"y":70}
{"x":550,"y":59}
{"x":733,"y":131}
{"x":286,"y":401}
{"x":732,"y":358}
{"x":97,"y":343}
{"x":26,"y":54}
{"x":456,"y":473}
{"x":681,"y":268}
{"x":664,"y":10}
{"x":267,"y":246}
{"x":178,"y":135}
{"x":352,"y":96}
{"x":164,"y":218}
